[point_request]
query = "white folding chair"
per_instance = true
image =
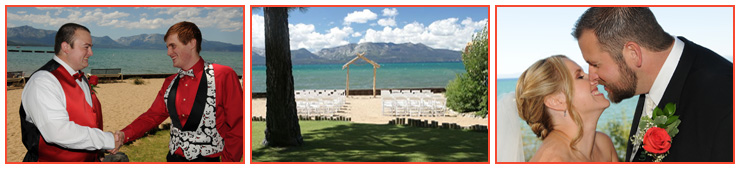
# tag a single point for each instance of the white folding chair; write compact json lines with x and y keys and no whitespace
{"x":440,"y":106}
{"x":388,"y":102}
{"x":401,"y":104}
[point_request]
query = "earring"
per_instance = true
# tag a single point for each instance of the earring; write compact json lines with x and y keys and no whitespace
{"x":564,"y":113}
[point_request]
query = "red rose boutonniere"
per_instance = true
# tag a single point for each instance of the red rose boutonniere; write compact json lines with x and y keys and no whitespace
{"x":93,"y":82}
{"x":656,"y":133}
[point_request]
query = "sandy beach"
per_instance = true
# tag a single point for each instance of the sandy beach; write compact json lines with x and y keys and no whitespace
{"x":366,"y":109}
{"x":121,"y":102}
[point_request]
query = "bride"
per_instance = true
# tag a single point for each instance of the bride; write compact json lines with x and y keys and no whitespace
{"x":562,"y":106}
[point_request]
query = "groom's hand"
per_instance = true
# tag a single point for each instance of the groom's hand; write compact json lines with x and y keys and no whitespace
{"x":118,"y":138}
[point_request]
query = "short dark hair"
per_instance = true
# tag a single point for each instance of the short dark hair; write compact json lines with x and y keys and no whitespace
{"x":615,"y":26}
{"x":66,"y":33}
{"x":186,"y":31}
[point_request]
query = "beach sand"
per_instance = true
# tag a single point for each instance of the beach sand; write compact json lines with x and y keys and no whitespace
{"x":366,"y":109}
{"x":121,"y":103}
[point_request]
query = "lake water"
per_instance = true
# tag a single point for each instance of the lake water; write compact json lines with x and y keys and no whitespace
{"x":131,"y":61}
{"x":389,"y":75}
{"x":622,"y":113}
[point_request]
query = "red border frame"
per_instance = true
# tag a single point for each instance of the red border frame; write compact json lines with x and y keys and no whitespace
{"x":6,"y":87}
{"x":489,"y":88}
{"x":733,"y":81}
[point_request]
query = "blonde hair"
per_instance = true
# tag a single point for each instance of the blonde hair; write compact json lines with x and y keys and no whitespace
{"x":545,"y":77}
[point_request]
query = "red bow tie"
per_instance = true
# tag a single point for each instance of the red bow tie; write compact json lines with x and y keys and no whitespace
{"x":77,"y":76}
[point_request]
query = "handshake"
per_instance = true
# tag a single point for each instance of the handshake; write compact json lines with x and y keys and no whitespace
{"x":119,"y":138}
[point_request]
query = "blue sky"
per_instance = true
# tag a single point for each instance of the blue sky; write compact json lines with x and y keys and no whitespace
{"x":529,"y":34}
{"x":223,"y":24}
{"x":324,"y":27}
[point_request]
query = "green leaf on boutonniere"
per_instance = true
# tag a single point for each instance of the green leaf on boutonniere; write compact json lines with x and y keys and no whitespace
{"x":644,"y":122}
{"x":660,"y":120}
{"x":657,"y":112}
{"x":671,"y":120}
{"x":670,"y":109}
{"x":672,"y":129}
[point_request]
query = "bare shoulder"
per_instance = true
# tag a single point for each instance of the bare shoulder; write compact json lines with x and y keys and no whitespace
{"x":551,"y":151}
{"x":606,"y":147}
{"x":604,"y":142}
{"x":603,"y":138}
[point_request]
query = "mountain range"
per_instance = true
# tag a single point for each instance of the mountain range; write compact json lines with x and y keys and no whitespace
{"x":378,"y":52}
{"x":29,"y":36}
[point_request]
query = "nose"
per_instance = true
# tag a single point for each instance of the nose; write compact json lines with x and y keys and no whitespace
{"x":592,"y":75}
{"x":89,"y":51}
{"x":169,"y":51}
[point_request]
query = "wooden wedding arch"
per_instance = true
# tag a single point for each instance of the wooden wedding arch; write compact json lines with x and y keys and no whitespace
{"x":360,"y":56}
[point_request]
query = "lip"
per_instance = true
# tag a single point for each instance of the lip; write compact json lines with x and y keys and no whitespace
{"x":595,"y":91}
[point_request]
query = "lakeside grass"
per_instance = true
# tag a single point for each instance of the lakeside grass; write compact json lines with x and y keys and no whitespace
{"x":151,"y":148}
{"x":339,"y":141}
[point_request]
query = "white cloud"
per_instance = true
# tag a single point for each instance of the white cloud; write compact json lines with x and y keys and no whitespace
{"x":49,"y":8}
{"x":225,"y":19}
{"x":390,"y":12}
{"x":448,"y":33}
{"x":304,"y":35}
{"x":391,"y":20}
{"x":183,"y":12}
{"x":360,"y":17}
{"x":387,"y":22}
{"x":258,"y":31}
{"x":445,"y":34}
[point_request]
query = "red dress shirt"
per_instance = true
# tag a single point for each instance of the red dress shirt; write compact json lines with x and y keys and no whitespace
{"x":229,"y":110}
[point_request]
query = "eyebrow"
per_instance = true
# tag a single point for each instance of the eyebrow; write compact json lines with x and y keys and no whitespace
{"x":578,"y":71}
{"x":589,"y":62}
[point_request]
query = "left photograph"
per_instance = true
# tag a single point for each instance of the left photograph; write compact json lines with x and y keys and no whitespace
{"x":124,"y":84}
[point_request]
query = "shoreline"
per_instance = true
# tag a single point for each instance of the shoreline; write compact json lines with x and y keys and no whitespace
{"x":365,"y":92}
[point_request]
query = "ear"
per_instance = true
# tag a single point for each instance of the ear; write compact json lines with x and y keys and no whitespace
{"x":556,"y":101}
{"x":65,"y":47}
{"x":192,"y":43}
{"x":632,"y":54}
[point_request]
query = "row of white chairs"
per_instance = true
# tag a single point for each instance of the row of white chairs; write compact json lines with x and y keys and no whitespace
{"x":412,"y":103}
{"x":319,"y":102}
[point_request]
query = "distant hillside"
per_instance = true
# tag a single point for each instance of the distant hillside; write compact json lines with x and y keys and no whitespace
{"x":29,"y":36}
{"x":378,"y":52}
{"x":143,"y":41}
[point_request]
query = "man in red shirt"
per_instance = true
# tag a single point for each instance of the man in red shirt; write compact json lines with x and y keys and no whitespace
{"x":203,"y":100}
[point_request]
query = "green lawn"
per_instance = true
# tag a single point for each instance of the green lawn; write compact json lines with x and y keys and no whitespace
{"x":338,"y":141}
{"x":152,"y":148}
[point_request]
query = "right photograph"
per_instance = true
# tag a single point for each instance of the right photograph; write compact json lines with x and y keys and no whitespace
{"x":614,"y":84}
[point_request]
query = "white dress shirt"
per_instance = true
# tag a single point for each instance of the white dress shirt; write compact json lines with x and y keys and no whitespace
{"x":45,"y":105}
{"x":661,"y":82}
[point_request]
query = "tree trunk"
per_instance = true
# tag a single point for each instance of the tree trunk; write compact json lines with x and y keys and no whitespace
{"x":282,"y":120}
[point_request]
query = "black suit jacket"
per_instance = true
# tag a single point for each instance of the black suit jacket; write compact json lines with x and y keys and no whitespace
{"x":702,"y":88}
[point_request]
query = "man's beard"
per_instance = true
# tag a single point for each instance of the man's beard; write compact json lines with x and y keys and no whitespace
{"x":625,"y":87}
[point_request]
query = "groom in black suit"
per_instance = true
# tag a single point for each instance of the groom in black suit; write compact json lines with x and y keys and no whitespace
{"x":630,"y":54}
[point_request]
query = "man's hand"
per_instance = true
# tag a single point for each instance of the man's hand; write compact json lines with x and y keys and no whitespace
{"x":118,"y":138}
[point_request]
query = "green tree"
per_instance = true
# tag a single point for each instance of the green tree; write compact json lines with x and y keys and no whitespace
{"x":469,"y":91}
